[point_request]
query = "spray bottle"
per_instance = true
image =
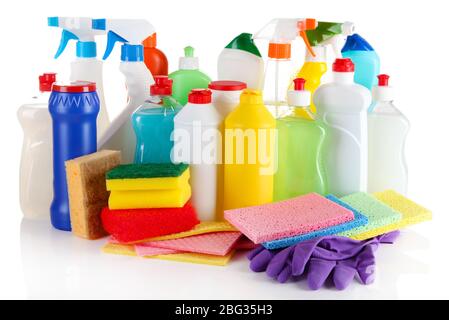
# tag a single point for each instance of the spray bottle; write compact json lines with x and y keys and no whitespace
{"x":86,"y":66}
{"x":278,"y":72}
{"x":120,"y":134}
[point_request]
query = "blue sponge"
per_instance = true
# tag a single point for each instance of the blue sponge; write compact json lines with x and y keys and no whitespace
{"x":359,"y":220}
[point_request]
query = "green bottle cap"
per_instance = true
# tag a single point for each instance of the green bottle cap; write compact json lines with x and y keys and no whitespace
{"x":244,"y":42}
{"x":323,"y":32}
{"x":189,"y":51}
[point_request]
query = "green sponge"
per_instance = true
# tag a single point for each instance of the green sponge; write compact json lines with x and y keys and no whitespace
{"x":148,"y":170}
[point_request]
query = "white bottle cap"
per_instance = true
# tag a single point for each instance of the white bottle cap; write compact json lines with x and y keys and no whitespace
{"x":189,"y":61}
{"x":383,"y":92}
{"x":299,"y":97}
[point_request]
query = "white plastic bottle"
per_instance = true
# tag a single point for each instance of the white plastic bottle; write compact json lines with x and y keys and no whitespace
{"x":36,"y":163}
{"x":197,"y":142}
{"x":342,"y":105}
{"x":387,"y":133}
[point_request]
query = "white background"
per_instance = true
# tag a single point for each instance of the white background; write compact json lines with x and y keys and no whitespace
{"x":411,"y":40}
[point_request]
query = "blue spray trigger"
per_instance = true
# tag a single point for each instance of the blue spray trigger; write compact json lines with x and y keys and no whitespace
{"x":112,"y":39}
{"x":65,"y":38}
{"x":53,"y":21}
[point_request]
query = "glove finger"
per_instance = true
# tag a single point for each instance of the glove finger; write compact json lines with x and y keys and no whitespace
{"x":366,"y":262}
{"x":343,"y":275}
{"x":319,"y":271}
{"x":279,"y":261}
{"x":285,"y":274}
{"x":255,"y":252}
{"x":260,"y":262}
{"x":389,"y":237}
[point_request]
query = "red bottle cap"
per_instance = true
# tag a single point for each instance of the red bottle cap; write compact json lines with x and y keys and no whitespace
{"x":46,"y":81}
{"x":200,"y":96}
{"x":162,"y":86}
{"x":300,"y":84}
{"x":343,"y":65}
{"x":227,"y":85}
{"x":75,"y":87}
{"x":383,"y":80}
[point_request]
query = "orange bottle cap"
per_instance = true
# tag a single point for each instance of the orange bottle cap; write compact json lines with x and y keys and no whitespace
{"x":150,"y":42}
{"x":279,"y":50}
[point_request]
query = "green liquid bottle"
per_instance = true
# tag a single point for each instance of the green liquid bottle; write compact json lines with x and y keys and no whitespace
{"x":301,"y":140}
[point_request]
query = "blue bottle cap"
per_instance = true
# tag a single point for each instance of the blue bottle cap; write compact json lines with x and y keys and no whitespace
{"x":86,"y":49}
{"x":356,"y":43}
{"x":132,"y":52}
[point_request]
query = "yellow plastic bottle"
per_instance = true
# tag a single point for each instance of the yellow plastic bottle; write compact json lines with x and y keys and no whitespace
{"x":250,"y":136}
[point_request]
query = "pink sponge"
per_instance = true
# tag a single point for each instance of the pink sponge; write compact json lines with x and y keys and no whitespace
{"x":288,"y":218}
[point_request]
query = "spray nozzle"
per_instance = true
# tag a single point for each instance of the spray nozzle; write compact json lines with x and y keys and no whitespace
{"x":330,"y":33}
{"x":383,"y":80}
{"x":300,"y":84}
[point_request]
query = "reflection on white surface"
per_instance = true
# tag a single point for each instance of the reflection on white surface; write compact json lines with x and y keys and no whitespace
{"x":58,"y":265}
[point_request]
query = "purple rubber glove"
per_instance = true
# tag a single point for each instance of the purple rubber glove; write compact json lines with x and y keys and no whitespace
{"x":260,"y":258}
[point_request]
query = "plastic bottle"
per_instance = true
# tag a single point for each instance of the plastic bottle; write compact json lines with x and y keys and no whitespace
{"x":387,"y":133}
{"x":155,"y":59}
{"x":86,"y":66}
{"x":74,"y":109}
{"x":153,"y":124}
{"x":188,"y":76}
{"x":197,"y":142}
{"x":342,"y":106}
{"x":120,"y":134}
{"x":36,"y":172}
{"x":300,"y":144}
{"x":241,"y":61}
{"x":249,"y":153}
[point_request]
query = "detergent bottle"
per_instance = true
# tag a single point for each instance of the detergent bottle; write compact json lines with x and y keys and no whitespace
{"x":326,"y":34}
{"x":86,"y":66}
{"x":387,"y":133}
{"x":36,"y":173}
{"x":155,"y":59}
{"x":188,"y":76}
{"x":153,"y":123}
{"x":250,"y":138}
{"x":138,"y":79}
{"x":241,"y":61}
{"x":300,"y":148}
{"x":197,"y":142}
{"x":279,"y":70}
{"x":342,"y":106}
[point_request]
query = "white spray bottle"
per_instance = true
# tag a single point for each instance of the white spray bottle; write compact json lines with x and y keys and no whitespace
{"x":120,"y":134}
{"x":86,"y":66}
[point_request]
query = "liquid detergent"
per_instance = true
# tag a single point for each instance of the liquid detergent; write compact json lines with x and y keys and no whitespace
{"x":279,"y":69}
{"x":342,"y":106}
{"x":188,"y":76}
{"x":197,"y":142}
{"x":86,"y":66}
{"x":138,"y":79}
{"x":300,"y":149}
{"x":154,"y":59}
{"x":241,"y":61}
{"x":36,"y":173}
{"x":387,"y":133}
{"x":225,"y":97}
{"x":249,"y":153}
{"x":74,"y":109}
{"x":153,"y":124}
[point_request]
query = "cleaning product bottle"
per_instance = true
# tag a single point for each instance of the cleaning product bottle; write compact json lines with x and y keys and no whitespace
{"x":300,"y":145}
{"x":86,"y":66}
{"x":279,"y":70}
{"x":36,"y":173}
{"x":74,"y":109}
{"x":153,"y":123}
{"x":343,"y":105}
{"x":387,"y":132}
{"x":155,"y":59}
{"x":241,"y":61}
{"x":250,"y":134}
{"x":188,"y":76}
{"x":197,"y":142}
{"x":138,"y":78}
{"x":326,"y":34}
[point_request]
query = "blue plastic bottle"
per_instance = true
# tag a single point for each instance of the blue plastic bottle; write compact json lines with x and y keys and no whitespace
{"x":74,"y":109}
{"x":153,"y":123}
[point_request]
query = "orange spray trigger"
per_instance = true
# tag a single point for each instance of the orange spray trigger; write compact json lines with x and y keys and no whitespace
{"x":303,"y":26}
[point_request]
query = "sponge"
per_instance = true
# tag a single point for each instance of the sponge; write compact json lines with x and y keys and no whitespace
{"x":359,"y":220}
{"x":141,"y":199}
{"x":379,"y":215}
{"x":288,"y":218}
{"x":138,"y":224}
{"x":147,"y":170}
{"x":87,"y":191}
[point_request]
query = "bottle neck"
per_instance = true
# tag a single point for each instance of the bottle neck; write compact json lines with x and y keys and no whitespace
{"x":343,"y":77}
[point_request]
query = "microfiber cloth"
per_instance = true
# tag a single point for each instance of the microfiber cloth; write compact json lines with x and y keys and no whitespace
{"x":296,"y":216}
{"x":379,"y":215}
{"x":359,"y":220}
{"x":219,"y":243}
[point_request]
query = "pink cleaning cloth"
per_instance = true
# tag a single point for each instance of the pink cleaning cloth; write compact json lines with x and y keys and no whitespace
{"x":288,"y":218}
{"x":146,"y":251}
{"x":217,"y":243}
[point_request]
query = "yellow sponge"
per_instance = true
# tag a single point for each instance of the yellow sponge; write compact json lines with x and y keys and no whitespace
{"x":143,"y":199}
{"x":199,"y":258}
{"x":164,"y":183}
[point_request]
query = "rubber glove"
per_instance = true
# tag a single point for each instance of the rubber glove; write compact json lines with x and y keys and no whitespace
{"x":260,"y":258}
